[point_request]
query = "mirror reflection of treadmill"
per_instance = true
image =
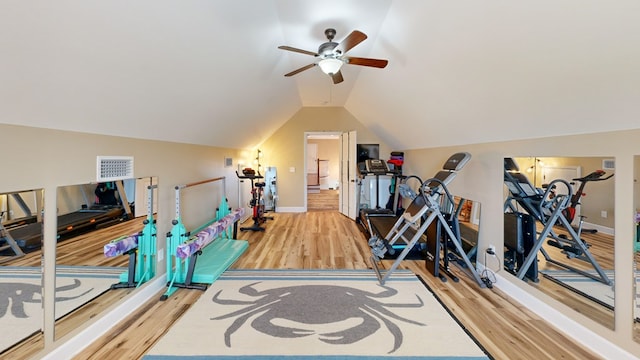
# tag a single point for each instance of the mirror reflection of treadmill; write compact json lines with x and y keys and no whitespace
{"x":29,"y":236}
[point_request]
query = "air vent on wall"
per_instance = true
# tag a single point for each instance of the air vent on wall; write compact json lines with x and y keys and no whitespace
{"x":608,"y":164}
{"x":110,"y":168}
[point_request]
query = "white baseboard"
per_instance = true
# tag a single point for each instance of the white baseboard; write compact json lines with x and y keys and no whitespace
{"x":600,"y":228}
{"x":82,"y":338}
{"x":285,"y":209}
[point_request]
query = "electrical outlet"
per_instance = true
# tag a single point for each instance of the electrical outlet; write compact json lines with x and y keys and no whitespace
{"x":603,"y":214}
{"x":491,"y":249}
{"x":160,"y":255}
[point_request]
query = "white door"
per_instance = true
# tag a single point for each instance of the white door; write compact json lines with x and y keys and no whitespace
{"x":343,"y":195}
{"x":348,"y":175}
{"x":244,"y":196}
{"x":312,"y":164}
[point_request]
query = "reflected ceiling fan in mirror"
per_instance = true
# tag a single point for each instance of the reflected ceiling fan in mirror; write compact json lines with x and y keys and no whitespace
{"x":332,"y":57}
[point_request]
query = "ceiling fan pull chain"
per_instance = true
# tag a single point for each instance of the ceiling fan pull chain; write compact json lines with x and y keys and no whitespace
{"x":330,"y":94}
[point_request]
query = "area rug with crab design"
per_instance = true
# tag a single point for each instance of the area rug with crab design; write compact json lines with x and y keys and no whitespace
{"x":316,"y":314}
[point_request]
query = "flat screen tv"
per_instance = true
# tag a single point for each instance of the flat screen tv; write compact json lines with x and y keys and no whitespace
{"x":368,"y":151}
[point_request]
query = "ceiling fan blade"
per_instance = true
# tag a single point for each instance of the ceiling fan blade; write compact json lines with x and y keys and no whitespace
{"x":355,"y":38}
{"x":337,"y":77}
{"x":300,"y":70}
{"x":289,"y":48}
{"x":378,"y":63}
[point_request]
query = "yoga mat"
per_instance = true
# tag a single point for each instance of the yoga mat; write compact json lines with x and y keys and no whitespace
{"x":316,"y":314}
{"x":594,"y":290}
{"x":21,"y":313}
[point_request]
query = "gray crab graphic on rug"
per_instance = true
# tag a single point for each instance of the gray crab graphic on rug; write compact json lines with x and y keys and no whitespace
{"x":301,"y":311}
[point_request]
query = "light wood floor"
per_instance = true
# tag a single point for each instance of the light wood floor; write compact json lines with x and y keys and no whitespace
{"x":322,"y":201}
{"x":313,"y":240}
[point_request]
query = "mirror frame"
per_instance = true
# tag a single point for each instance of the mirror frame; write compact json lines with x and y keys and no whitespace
{"x":560,"y":290}
{"x":117,"y":289}
{"x":30,"y":258}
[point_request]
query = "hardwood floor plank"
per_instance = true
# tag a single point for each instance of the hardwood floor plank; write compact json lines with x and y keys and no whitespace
{"x":323,"y":200}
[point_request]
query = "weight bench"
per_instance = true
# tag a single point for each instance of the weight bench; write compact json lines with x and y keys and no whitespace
{"x":423,"y":212}
{"x":548,"y":207}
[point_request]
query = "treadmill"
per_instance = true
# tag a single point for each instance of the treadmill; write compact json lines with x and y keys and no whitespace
{"x":28,"y":236}
{"x":377,"y":168}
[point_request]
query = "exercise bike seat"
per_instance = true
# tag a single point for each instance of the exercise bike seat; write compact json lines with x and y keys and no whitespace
{"x":259,"y":184}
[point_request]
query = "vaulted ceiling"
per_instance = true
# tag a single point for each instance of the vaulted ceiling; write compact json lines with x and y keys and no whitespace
{"x":210,"y":71}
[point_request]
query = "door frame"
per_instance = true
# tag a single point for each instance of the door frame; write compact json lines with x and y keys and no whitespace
{"x":307,"y":165}
{"x":306,"y":137}
{"x":350,"y":181}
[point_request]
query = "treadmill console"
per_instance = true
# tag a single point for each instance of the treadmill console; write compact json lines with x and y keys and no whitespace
{"x":376,"y":167}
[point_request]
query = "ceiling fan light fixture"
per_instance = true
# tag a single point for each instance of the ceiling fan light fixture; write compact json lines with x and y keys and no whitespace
{"x":330,"y":66}
{"x":330,"y":55}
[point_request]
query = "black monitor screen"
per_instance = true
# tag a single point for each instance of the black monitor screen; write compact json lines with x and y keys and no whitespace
{"x":368,"y":151}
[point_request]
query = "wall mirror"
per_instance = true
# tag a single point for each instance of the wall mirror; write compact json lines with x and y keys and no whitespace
{"x":458,"y":247}
{"x":636,"y":248}
{"x":463,"y":216}
{"x":558,"y":229}
{"x":20,"y":267}
{"x":270,"y":189}
{"x":468,"y":215}
{"x":91,"y":276}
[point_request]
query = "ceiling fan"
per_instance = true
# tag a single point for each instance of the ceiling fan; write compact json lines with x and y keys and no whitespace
{"x":332,"y":57}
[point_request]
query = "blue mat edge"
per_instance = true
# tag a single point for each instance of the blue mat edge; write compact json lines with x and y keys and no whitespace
{"x":305,"y":357}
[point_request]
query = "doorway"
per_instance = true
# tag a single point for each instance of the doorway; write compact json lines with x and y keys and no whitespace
{"x":322,"y":166}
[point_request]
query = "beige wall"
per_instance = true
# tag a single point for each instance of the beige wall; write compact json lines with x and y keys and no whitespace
{"x":285,"y":148}
{"x":37,"y":158}
{"x":482,"y":180}
{"x":636,"y":183}
{"x":41,"y":158}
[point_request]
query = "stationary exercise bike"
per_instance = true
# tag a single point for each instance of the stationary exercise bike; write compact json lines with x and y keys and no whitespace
{"x":570,"y":212}
{"x":257,"y":200}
